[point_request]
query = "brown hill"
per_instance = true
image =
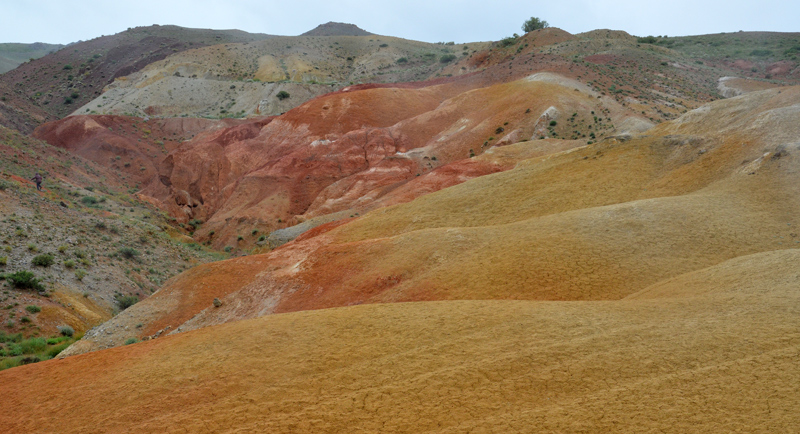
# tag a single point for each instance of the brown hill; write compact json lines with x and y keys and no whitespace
{"x":337,"y":29}
{"x":710,"y":351}
{"x":61,"y":81}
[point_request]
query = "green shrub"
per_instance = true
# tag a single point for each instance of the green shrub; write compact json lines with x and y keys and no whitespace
{"x":33,"y":345}
{"x":89,"y":201}
{"x":54,"y":351}
{"x":447,"y":58}
{"x":43,"y":260}
{"x":761,"y":53}
{"x":282,"y":95}
{"x":24,"y":280}
{"x":131,"y":341}
{"x":402,"y":60}
{"x":3,"y":260}
{"x":647,"y":40}
{"x":505,"y":42}
{"x":553,"y":123}
{"x":9,"y":363}
{"x":15,"y":350}
{"x":66,"y":330}
{"x":128,"y":252}
{"x":534,"y":24}
{"x":17,"y":337}
{"x":33,"y":308}
{"x":80,"y":273}
{"x":69,"y":263}
{"x":126,"y":301}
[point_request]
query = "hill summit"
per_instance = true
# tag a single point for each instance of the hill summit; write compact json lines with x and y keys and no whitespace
{"x":337,"y":29}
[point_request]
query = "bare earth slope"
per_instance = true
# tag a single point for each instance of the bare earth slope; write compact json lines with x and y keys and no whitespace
{"x":718,"y":359}
{"x":599,"y":222}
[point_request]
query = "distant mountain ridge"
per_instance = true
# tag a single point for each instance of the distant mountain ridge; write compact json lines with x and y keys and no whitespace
{"x":14,"y":54}
{"x":337,"y":29}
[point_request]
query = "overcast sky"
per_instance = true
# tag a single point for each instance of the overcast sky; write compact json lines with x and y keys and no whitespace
{"x":60,"y":21}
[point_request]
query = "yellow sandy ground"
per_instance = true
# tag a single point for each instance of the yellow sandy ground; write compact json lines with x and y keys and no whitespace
{"x":713,"y":351}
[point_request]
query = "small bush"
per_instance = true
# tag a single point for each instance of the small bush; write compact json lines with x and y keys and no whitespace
{"x":54,"y":351}
{"x":69,"y":263}
{"x":33,"y":345}
{"x":553,"y":123}
{"x":66,"y":330}
{"x":647,"y":40}
{"x":131,"y":341}
{"x":282,"y":95}
{"x":128,"y":252}
{"x":89,"y":200}
{"x":126,"y":301}
{"x":44,"y":260}
{"x":24,"y":280}
{"x":33,"y":308}
{"x":3,"y":260}
{"x":447,"y":58}
{"x":80,"y":274}
{"x":505,"y":42}
{"x":402,"y":60}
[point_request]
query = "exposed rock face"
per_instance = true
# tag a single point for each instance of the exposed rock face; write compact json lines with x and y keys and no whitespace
{"x":349,"y":151}
{"x":133,"y":146}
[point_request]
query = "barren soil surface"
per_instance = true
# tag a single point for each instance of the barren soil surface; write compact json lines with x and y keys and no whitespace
{"x":712,"y":351}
